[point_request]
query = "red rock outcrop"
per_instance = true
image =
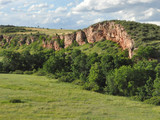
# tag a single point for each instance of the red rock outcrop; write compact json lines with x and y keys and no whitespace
{"x":28,"y":41}
{"x":94,"y":33}
{"x":22,"y":41}
{"x":8,"y":38}
{"x":100,"y":31}
{"x":80,"y":37}
{"x":68,"y":39}
{"x":61,"y":37}
{"x":56,"y":46}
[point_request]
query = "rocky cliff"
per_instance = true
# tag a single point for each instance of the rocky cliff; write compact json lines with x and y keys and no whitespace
{"x":101,"y":31}
{"x":94,"y":33}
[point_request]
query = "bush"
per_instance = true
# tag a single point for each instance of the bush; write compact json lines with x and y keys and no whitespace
{"x":28,"y":72}
{"x":78,"y":82}
{"x":154,"y":100}
{"x":91,"y":86}
{"x":16,"y":101}
{"x":40,"y":72}
{"x":1,"y":66}
{"x":66,"y":78}
{"x":18,"y":72}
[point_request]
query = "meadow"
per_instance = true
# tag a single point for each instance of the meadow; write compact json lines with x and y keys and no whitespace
{"x":28,"y":97}
{"x":32,"y":30}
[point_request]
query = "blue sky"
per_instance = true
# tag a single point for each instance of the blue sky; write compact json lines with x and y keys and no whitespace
{"x":76,"y":14}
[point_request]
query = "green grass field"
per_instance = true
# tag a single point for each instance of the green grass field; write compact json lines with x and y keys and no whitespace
{"x":46,"y":99}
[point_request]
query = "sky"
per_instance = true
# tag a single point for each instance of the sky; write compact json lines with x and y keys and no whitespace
{"x":76,"y":14}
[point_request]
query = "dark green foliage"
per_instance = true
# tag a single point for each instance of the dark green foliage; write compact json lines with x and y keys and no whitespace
{"x":28,"y":72}
{"x":12,"y":29}
{"x":146,"y":52}
{"x":92,"y":59}
{"x":156,"y":87}
{"x":96,"y":79}
{"x":79,"y":65}
{"x":18,"y":72}
{"x":1,"y":67}
{"x":107,"y":63}
{"x":22,"y":61}
{"x":154,"y":100}
{"x":66,"y":77}
{"x":130,"y":81}
{"x":11,"y":61}
{"x":40,"y":72}
{"x":110,"y":62}
{"x":16,"y":101}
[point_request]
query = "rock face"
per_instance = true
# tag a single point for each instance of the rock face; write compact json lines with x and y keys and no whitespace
{"x":94,"y":33}
{"x":56,"y":46}
{"x":101,"y":31}
{"x":110,"y":31}
{"x":80,"y":37}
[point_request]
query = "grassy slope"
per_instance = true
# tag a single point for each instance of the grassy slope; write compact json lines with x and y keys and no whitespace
{"x":102,"y":47}
{"x":46,"y":99}
{"x":50,"y":32}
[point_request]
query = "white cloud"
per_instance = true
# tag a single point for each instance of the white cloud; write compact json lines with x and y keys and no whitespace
{"x":60,"y":9}
{"x":77,"y":14}
{"x":80,"y":22}
{"x":13,"y":9}
{"x":57,"y":20}
{"x":154,"y":22}
{"x":139,"y":1}
{"x":70,"y":4}
{"x":98,"y":20}
{"x":4,"y":2}
{"x":38,"y":6}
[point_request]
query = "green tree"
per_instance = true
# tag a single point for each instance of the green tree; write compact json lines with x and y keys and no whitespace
{"x":79,"y":65}
{"x":156,"y":87}
{"x":96,"y":79}
{"x":11,"y":61}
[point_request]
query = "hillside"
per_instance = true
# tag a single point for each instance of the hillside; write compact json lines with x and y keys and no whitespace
{"x":129,"y":35}
{"x":25,"y":97}
{"x":108,"y":57}
{"x":10,"y":30}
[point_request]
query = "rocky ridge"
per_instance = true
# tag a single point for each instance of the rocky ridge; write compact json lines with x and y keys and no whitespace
{"x":94,"y":33}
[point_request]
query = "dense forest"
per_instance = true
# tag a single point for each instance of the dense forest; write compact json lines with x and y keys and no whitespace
{"x":109,"y":71}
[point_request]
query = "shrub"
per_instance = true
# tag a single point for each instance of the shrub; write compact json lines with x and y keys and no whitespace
{"x":16,"y":101}
{"x":78,"y":82}
{"x":67,"y":77}
{"x":28,"y":72}
{"x":154,"y":100}
{"x":91,"y":86}
{"x":18,"y":72}
{"x":40,"y":72}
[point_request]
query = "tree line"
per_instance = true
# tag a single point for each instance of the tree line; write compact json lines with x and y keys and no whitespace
{"x":138,"y":77}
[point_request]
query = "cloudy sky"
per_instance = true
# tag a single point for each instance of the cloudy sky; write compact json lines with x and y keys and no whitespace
{"x":76,"y":14}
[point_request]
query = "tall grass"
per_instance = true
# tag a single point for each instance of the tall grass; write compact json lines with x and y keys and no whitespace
{"x":24,"y":97}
